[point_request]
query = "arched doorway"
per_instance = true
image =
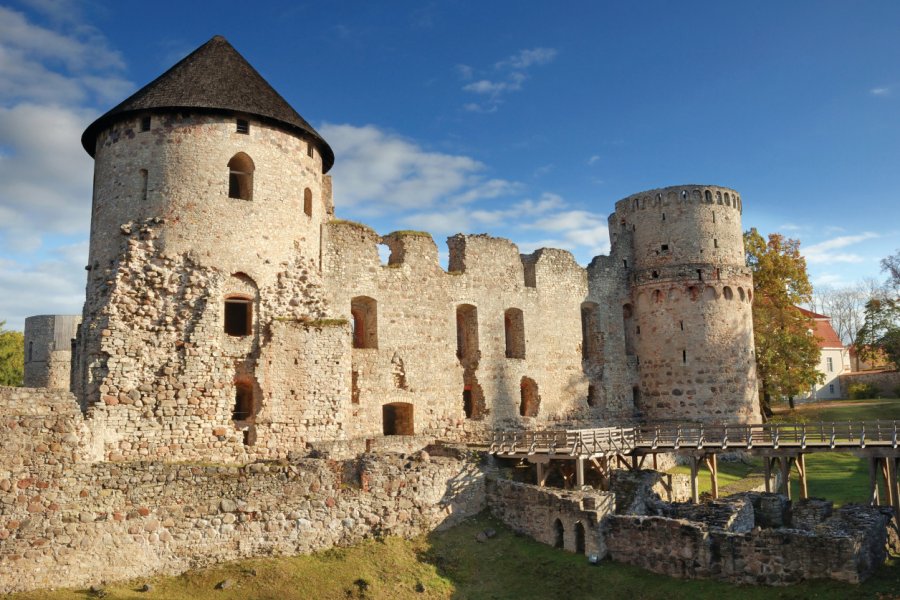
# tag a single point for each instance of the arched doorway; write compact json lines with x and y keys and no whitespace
{"x":579,"y":537}
{"x":559,"y":533}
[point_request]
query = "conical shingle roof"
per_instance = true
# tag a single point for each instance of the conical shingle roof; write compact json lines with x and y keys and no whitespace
{"x":213,"y":78}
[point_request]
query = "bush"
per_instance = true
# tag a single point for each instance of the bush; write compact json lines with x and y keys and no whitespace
{"x":862,"y":391}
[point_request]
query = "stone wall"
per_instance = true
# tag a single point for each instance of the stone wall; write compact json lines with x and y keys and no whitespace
{"x":887,"y":382}
{"x":553,"y":516}
{"x":68,"y":521}
{"x":847,"y":546}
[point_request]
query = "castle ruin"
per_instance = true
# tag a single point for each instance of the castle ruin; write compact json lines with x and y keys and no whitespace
{"x":245,"y":363}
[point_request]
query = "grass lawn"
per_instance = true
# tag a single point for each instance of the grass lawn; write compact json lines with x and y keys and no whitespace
{"x":452,"y":565}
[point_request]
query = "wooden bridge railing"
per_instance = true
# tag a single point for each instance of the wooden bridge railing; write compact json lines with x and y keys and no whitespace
{"x":850,"y":434}
{"x":577,"y":442}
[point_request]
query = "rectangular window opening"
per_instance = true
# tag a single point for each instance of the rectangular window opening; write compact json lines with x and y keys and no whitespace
{"x":309,"y":149}
{"x":238,"y":316}
{"x":664,"y":247}
{"x":243,"y":126}
{"x":145,"y":123}
{"x":143,"y":185}
{"x":684,"y":356}
{"x":715,"y":243}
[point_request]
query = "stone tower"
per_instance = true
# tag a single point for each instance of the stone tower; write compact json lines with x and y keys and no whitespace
{"x":689,"y":323}
{"x":210,"y":192}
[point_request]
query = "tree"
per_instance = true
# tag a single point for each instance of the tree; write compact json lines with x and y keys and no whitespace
{"x":786,"y":351}
{"x":12,"y":356}
{"x":847,"y":308}
{"x":880,"y":333}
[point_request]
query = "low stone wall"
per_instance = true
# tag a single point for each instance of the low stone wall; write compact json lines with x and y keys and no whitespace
{"x":887,"y":382}
{"x":108,"y":521}
{"x":848,"y":546}
{"x":552,"y":516}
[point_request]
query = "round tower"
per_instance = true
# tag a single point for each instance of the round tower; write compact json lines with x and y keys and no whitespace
{"x":213,"y":150}
{"x":689,"y":323}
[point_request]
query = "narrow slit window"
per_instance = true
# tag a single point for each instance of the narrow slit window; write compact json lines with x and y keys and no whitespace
{"x":145,"y":123}
{"x":309,"y":149}
{"x":238,"y":316}
{"x":715,"y":243}
{"x":307,"y":202}
{"x":684,"y":356}
{"x":466,"y":332}
{"x":243,"y":126}
{"x":144,"y":185}
{"x":514,"y":329}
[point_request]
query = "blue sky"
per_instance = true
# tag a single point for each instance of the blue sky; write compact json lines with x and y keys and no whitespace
{"x":519,"y":118}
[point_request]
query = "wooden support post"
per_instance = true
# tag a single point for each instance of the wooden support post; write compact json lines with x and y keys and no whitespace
{"x":579,"y":472}
{"x":768,"y":473}
{"x":695,"y":492}
{"x":713,"y":474}
{"x":635,"y":464}
{"x":654,"y":462}
{"x":886,"y":468}
{"x":785,"y":476}
{"x":873,"y":481}
{"x":894,"y":484}
{"x":801,"y":470}
{"x":542,"y":472}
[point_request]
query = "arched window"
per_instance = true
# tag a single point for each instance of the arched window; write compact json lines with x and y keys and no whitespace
{"x":240,"y":177}
{"x":741,"y":293}
{"x":531,"y":400}
{"x":307,"y":202}
{"x":238,"y":316}
{"x":726,"y":291}
{"x":364,"y":311}
{"x":466,"y":332}
{"x":514,"y":327}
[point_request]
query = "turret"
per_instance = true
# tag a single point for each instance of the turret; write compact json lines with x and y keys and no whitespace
{"x":689,"y":323}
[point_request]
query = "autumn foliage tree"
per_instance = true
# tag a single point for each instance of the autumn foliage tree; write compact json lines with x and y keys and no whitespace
{"x":12,"y":356}
{"x":786,"y":351}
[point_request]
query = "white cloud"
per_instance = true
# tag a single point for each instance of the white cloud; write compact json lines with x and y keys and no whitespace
{"x":526,"y":58}
{"x":881,"y":91}
{"x":52,"y":79}
{"x":823,"y":252}
{"x":593,"y":160}
{"x":53,"y":286}
{"x":508,"y":76}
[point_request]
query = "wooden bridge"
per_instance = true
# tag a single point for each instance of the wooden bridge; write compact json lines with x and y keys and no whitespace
{"x":783,"y":446}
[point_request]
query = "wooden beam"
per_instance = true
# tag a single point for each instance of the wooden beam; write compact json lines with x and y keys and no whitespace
{"x":579,"y":472}
{"x":886,"y":474}
{"x":785,"y":476}
{"x":801,"y":470}
{"x":695,"y":492}
{"x":542,"y":472}
{"x":767,"y":462}
{"x":873,"y":481}
{"x":712,"y":465}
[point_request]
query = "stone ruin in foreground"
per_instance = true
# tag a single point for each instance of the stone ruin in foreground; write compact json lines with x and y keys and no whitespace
{"x":249,"y":378}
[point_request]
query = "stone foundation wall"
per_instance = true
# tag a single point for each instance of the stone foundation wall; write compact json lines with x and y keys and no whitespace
{"x":849,"y":546}
{"x":540,"y":511}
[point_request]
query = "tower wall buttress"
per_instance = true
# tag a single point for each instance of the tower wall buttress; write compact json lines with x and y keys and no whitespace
{"x":691,"y":329}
